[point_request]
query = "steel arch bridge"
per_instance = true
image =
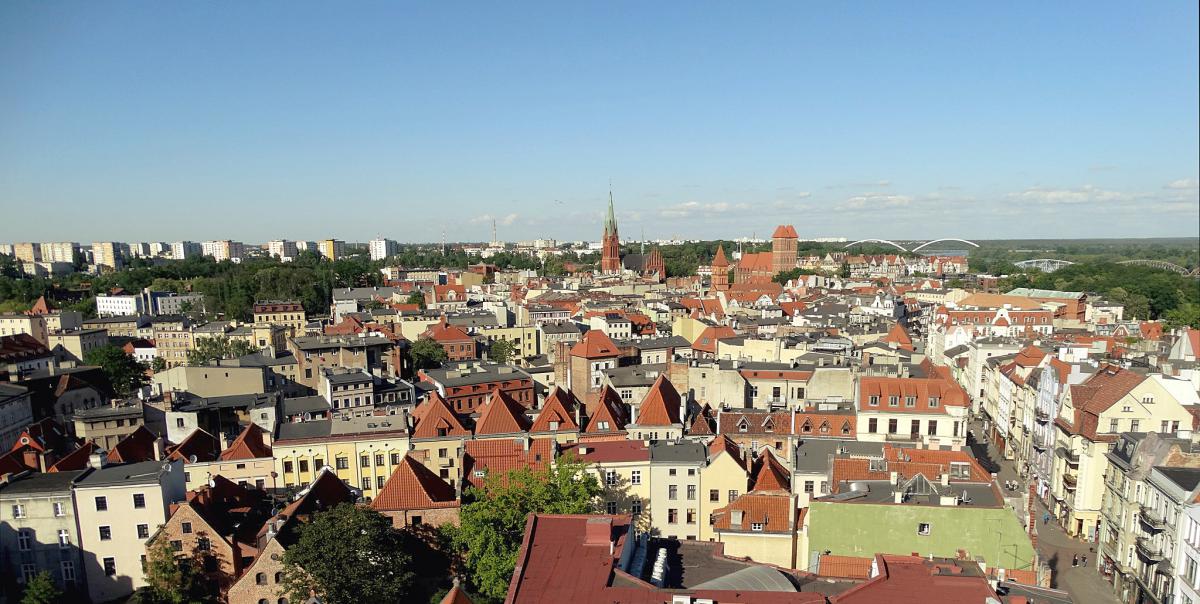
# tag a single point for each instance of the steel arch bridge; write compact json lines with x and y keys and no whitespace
{"x":1162,"y":264}
{"x":903,"y":249}
{"x":1046,"y":265}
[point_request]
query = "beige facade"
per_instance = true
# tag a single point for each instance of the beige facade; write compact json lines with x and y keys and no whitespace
{"x":12,"y":324}
{"x":362,"y":451}
{"x":211,"y":381}
{"x":78,"y":342}
{"x":721,"y":481}
{"x":106,"y":425}
{"x":40,"y":528}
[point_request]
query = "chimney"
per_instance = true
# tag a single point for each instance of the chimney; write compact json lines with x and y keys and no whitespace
{"x":735,"y":518}
{"x":598,"y":531}
{"x":160,"y":449}
{"x":97,"y":460}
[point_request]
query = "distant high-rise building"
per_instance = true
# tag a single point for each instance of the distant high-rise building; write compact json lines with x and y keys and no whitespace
{"x":610,"y":254}
{"x":60,"y":251}
{"x":27,"y":252}
{"x":332,"y":249}
{"x":306,"y":246}
{"x":381,"y":248}
{"x":282,"y":249}
{"x":224,"y":250}
{"x":139,"y":250}
{"x":182,"y":250}
{"x":109,"y":254}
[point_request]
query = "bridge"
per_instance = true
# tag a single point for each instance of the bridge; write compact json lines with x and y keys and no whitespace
{"x":903,"y":249}
{"x":1046,"y":265}
{"x":1163,"y":265}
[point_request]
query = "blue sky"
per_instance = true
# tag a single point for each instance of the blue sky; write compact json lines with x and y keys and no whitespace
{"x":169,"y":120}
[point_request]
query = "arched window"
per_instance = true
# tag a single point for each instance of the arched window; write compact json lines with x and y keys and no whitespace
{"x":260,"y":579}
{"x":279,"y":577}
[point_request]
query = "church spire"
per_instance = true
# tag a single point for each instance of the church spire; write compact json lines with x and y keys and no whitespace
{"x":610,"y":223}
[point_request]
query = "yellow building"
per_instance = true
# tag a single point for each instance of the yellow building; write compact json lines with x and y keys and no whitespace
{"x":331,"y":249}
{"x":362,"y":451}
{"x":524,"y":340}
{"x":289,"y":314}
{"x":722,"y":481}
{"x":623,"y":469}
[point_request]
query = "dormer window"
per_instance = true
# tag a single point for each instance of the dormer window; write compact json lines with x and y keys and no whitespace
{"x":933,"y":401}
{"x":873,"y":400}
{"x":742,"y":425}
{"x":910,"y":401}
{"x":893,"y":401}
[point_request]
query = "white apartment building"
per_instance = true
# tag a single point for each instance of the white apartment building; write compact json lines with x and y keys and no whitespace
{"x":65,"y":251}
{"x":119,"y":305}
{"x":282,"y":249}
{"x":380,"y":249}
{"x":182,"y":250}
{"x":224,"y":249}
{"x":108,"y":253}
{"x":1187,"y":565}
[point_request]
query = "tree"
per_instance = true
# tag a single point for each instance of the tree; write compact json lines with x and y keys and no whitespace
{"x":348,"y":554}
{"x":492,"y":524}
{"x":417,"y":298}
{"x":844,"y":271}
{"x":1187,"y":315}
{"x":782,"y":277}
{"x":41,"y":590}
{"x":158,"y":364}
{"x":215,"y":349}
{"x":501,"y":351}
{"x":172,"y":579}
{"x":124,"y":372}
{"x":427,"y":354}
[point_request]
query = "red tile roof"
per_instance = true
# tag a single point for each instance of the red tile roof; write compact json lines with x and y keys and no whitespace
{"x":899,"y":337}
{"x":707,"y":340}
{"x":702,"y":423}
{"x":610,"y":409}
{"x":595,"y":344}
{"x":138,"y":446}
{"x":500,"y":455}
{"x":559,"y":407}
{"x":785,"y":231}
{"x":844,"y":567}
{"x":250,"y":444}
{"x":456,"y":596}
{"x":78,"y":459}
{"x":770,"y":475}
{"x":755,"y":422}
{"x":199,"y":446}
{"x":775,"y":512}
{"x":947,"y":391}
{"x":915,"y":580}
{"x":412,"y":486}
{"x":724,"y":444}
{"x":609,"y":451}
{"x":444,"y":333}
{"x":501,"y":415}
{"x":435,"y":419}
{"x":660,"y":406}
{"x":719,"y":260}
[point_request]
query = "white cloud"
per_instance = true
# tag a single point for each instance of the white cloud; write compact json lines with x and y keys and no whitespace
{"x":1183,"y":184}
{"x":875,"y":201}
{"x":689,"y":209}
{"x":1084,"y":194}
{"x":507,"y":220}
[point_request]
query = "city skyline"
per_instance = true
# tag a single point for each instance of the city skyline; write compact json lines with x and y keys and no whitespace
{"x":1047,"y":122}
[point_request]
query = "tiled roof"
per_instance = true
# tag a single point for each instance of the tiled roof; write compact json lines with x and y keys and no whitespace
{"x":844,"y":567}
{"x":770,"y":475}
{"x":719,"y":259}
{"x":760,"y":261}
{"x":723,"y":444}
{"x":912,"y":580}
{"x":594,"y":344}
{"x":899,"y":337}
{"x":946,"y":391}
{"x":248,"y":445}
{"x":443,"y":332}
{"x":660,"y":406}
{"x":754,"y":422}
{"x":826,"y":424}
{"x":498,"y":456}
{"x":610,"y":409}
{"x":138,"y":446}
{"x":702,"y":423}
{"x":558,"y":407}
{"x":785,"y":231}
{"x":707,"y":340}
{"x":412,"y":486}
{"x":610,"y":451}
{"x":75,"y":460}
{"x":436,"y":420}
{"x":501,"y":415}
{"x":199,"y":446}
{"x":456,"y":596}
{"x":774,"y":512}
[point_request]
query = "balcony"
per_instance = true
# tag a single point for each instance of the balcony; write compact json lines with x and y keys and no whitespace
{"x":1071,"y":457}
{"x":1151,"y":520}
{"x":1148,"y":551}
{"x":1042,"y":416}
{"x":1040,"y":447}
{"x":1070,"y":481}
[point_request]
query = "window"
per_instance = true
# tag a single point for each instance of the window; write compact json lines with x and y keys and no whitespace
{"x":287,"y":467}
{"x":934,"y":401}
{"x":714,"y":495}
{"x":932,"y":427}
{"x":187,"y":528}
{"x":1114,"y":425}
{"x":671,"y":472}
{"x":610,"y":507}
{"x":379,"y":459}
{"x":105,"y":533}
{"x":1148,"y":399}
{"x":68,"y":571}
{"x":873,"y":400}
{"x":379,"y":480}
{"x":691,"y":492}
{"x":610,"y":477}
{"x":342,"y":463}
{"x":672,"y":516}
{"x":892,"y":426}
{"x":602,"y":425}
{"x":179,"y":422}
{"x":317,"y":463}
{"x":395,"y":459}
{"x":893,"y":401}
{"x":636,"y":507}
{"x":303,"y":465}
{"x":18,"y":511}
{"x":139,"y":501}
{"x":110,"y":566}
{"x":143,"y":531}
{"x":203,"y":544}
{"x":691,"y":516}
{"x":1133,"y":425}
{"x":1189,"y":570}
{"x":365,"y":461}
{"x":910,"y":401}
{"x":260,"y":579}
{"x":28,"y":572}
{"x":24,"y":540}
{"x":872,"y":425}
{"x":101,"y":504}
{"x":635,"y":477}
{"x":756,"y":526}
{"x":733,"y":494}
{"x":59,"y":509}
{"x":808,"y":487}
{"x":673,"y":492}
{"x":366,"y":483}
{"x":923,"y":529}
{"x":64,"y":538}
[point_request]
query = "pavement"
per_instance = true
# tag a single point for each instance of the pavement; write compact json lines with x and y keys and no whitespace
{"x":1055,"y":547}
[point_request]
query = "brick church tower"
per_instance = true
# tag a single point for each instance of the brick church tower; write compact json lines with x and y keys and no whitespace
{"x":720,"y":270}
{"x":783,"y":248}
{"x":610,"y":255}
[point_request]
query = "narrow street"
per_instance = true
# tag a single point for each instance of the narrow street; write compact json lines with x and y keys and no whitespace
{"x":1054,"y":546}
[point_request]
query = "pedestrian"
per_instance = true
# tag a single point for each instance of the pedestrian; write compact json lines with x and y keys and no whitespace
{"x":1084,"y":563}
{"x":1074,"y":560}
{"x":1045,"y":518}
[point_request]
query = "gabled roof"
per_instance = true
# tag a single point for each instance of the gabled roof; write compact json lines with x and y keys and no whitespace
{"x":785,"y":231}
{"x":138,"y":446}
{"x":501,"y":415}
{"x":558,"y":407}
{"x":770,"y":475}
{"x":899,"y":337}
{"x":773,"y":511}
{"x":501,"y":455}
{"x":413,"y":486}
{"x":199,"y":446}
{"x":75,"y":460}
{"x":434,"y":415}
{"x":456,"y":596}
{"x":660,"y":406}
{"x":724,"y":444}
{"x":248,"y":445}
{"x":594,"y":344}
{"x":707,"y":340}
{"x":702,"y":423}
{"x":444,"y":332}
{"x":610,"y":409}
{"x":720,"y":260}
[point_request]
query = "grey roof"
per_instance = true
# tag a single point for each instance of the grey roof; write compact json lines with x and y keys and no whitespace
{"x":323,"y":342}
{"x":1186,"y":478}
{"x":661,"y":343}
{"x":191,"y":402}
{"x":108,"y":411}
{"x":635,"y":375}
{"x":956,"y":350}
{"x":11,"y":390}
{"x":304,"y":404}
{"x":562,"y":328}
{"x":40,"y":482}
{"x":750,"y":579}
{"x":144,"y":472}
{"x":258,"y":359}
{"x":474,"y":372}
{"x":118,"y":319}
{"x":815,"y":455}
{"x":678,"y":452}
{"x":296,"y":431}
{"x":349,"y":377}
{"x":365,"y":293}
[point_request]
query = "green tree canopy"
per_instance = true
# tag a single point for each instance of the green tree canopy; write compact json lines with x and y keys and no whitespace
{"x":124,"y":372}
{"x":492,"y":523}
{"x":41,"y":590}
{"x":501,"y":351}
{"x":348,"y":554}
{"x":217,"y":348}
{"x":172,"y":578}
{"x":427,"y":354}
{"x":417,"y":298}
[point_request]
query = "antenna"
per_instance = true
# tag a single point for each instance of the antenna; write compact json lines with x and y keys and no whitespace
{"x":494,"y":238}
{"x":443,"y":241}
